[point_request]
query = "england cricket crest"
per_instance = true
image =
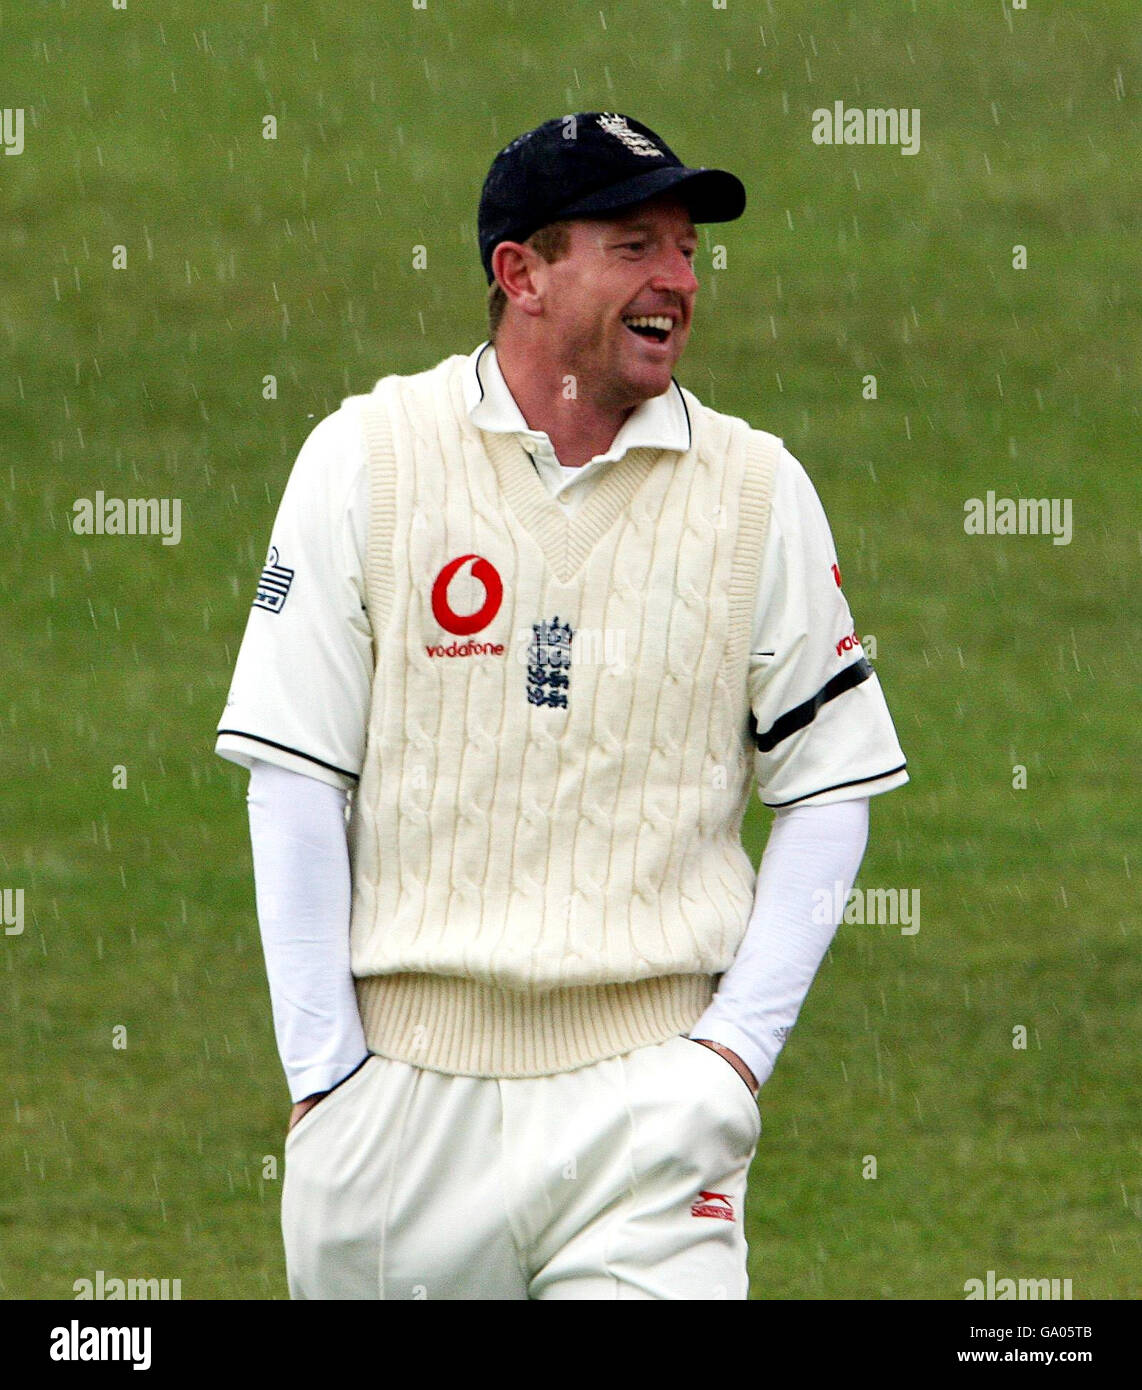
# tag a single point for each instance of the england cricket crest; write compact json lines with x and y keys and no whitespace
{"x":634,"y":140}
{"x":549,"y":663}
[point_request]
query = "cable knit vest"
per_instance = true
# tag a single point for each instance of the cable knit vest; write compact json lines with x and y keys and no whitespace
{"x":546,"y":838}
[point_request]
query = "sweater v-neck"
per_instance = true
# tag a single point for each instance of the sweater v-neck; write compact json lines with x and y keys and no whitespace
{"x":566,"y":540}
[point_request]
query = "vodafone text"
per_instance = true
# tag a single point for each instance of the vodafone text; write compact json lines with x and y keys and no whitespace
{"x":467,"y":649}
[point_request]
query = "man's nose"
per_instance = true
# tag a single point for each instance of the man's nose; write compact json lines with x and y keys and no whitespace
{"x":675,"y":272}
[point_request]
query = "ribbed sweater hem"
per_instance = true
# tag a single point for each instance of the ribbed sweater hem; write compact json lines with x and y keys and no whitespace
{"x":469,"y":1028}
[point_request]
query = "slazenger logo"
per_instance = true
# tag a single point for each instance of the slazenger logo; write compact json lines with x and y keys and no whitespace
{"x":706,"y":1205}
{"x":465,"y":624}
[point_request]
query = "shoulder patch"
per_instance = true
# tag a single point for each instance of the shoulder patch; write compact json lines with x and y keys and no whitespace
{"x":274,"y":584}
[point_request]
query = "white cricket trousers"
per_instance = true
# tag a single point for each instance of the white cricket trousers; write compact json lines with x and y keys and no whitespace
{"x":623,"y":1179}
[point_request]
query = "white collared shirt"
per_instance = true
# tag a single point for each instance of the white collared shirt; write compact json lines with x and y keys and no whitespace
{"x":302,"y":682}
{"x":659,"y":423}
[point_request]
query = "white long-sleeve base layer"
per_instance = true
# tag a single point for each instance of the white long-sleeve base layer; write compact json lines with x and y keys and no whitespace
{"x":303,"y":893}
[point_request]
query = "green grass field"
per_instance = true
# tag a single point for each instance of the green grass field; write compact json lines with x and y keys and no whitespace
{"x":294,"y":257}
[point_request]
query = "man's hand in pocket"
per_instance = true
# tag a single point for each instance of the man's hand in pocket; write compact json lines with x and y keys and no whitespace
{"x":300,"y":1107}
{"x":734,"y":1060}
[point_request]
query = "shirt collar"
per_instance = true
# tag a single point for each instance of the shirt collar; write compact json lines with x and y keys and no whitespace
{"x":663,"y":422}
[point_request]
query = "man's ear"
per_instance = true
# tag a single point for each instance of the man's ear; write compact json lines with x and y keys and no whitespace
{"x":516,"y":267}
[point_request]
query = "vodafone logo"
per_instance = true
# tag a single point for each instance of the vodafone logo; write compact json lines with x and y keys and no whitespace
{"x":464,"y":624}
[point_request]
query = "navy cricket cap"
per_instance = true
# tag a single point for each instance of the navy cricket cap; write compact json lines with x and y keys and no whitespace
{"x":588,"y":165}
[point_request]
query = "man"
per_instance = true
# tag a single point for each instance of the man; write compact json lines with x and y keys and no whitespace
{"x":547,"y":616}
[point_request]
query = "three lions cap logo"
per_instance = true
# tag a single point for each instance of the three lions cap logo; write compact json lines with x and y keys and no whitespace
{"x":616,"y":125}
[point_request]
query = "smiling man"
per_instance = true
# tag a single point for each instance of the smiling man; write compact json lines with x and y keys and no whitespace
{"x":526,"y":999}
{"x":597,"y":332}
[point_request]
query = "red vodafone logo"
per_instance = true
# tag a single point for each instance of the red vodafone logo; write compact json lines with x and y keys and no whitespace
{"x":464,"y":624}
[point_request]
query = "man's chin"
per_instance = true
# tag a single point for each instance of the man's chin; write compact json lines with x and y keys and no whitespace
{"x":648,"y":379}
{"x":653,"y":381}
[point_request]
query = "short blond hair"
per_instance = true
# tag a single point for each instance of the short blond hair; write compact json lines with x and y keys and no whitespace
{"x":552,"y":242}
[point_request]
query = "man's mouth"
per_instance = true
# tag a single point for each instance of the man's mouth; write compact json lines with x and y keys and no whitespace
{"x":654,"y":327}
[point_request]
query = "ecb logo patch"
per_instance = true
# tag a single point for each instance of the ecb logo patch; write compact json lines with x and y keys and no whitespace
{"x":549,"y":663}
{"x":273,"y":586}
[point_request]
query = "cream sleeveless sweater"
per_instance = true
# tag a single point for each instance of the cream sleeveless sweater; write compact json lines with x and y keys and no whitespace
{"x":546,"y":839}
